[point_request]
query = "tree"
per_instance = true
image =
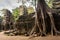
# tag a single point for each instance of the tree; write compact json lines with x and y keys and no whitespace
{"x":41,"y":12}
{"x":15,"y":13}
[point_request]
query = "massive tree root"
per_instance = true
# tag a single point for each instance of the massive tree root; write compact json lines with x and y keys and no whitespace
{"x":36,"y":25}
{"x":42,"y":6}
{"x":53,"y":27}
{"x":43,"y":23}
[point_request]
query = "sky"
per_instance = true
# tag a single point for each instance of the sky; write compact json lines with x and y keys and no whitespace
{"x":11,"y":4}
{"x":8,"y":4}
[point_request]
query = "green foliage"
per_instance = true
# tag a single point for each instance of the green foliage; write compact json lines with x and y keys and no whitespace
{"x":19,"y":11}
{"x":30,"y":10}
{"x":15,"y":13}
{"x":49,"y":2}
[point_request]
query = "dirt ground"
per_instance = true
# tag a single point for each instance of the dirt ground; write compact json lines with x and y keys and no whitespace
{"x":4,"y":37}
